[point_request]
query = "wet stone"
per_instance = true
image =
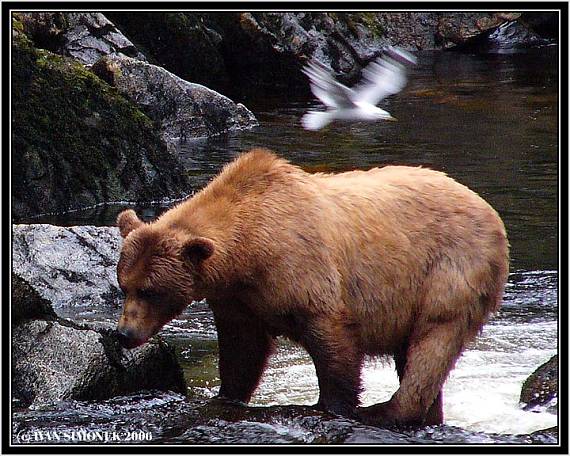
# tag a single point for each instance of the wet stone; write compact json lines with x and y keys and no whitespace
{"x":56,"y":360}
{"x":171,"y":419}
{"x":183,"y":110}
{"x":69,"y":266}
{"x":540,"y":390}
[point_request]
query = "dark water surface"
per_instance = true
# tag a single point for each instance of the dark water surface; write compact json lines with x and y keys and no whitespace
{"x":489,"y":121}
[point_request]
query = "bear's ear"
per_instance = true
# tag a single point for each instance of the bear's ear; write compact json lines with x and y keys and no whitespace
{"x":127,"y":221}
{"x":198,"y":249}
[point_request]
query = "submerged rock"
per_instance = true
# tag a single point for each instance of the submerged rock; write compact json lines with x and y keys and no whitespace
{"x":540,"y":390}
{"x":511,"y":36}
{"x":76,"y":142}
{"x":84,"y":36}
{"x":181,"y":109}
{"x":69,"y":266}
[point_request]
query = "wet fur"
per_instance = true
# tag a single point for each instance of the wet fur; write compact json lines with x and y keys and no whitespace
{"x":397,"y":261}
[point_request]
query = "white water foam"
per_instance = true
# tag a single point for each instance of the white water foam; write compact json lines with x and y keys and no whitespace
{"x":481,"y":394}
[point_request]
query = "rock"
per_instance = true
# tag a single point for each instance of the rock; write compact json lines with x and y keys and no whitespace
{"x":84,"y":36}
{"x":183,"y":43}
{"x":410,"y":30}
{"x":69,"y":266}
{"x":509,"y":36}
{"x":513,"y":35}
{"x":171,"y":419}
{"x":26,"y":303}
{"x":242,"y":52}
{"x":76,"y":142}
{"x":545,"y":436}
{"x":540,"y":390}
{"x":56,"y":360}
{"x":271,"y":48}
{"x":544,"y":23}
{"x":181,"y":109}
{"x":457,"y":28}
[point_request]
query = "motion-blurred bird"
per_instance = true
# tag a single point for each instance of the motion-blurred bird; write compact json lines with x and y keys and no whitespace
{"x":381,"y":78}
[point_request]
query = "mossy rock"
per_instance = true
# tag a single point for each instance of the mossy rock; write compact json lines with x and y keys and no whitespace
{"x":76,"y":142}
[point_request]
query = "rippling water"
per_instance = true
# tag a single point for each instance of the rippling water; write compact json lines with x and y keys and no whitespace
{"x":490,"y":122}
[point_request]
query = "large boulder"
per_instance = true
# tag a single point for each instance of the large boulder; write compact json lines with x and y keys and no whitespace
{"x":240,"y":53}
{"x":69,"y":266}
{"x":54,"y":359}
{"x":76,"y":142}
{"x":540,"y":389}
{"x":184,"y":43}
{"x":84,"y":36}
{"x":181,"y":109}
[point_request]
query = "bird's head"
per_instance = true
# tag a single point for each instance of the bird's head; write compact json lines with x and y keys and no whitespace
{"x":377,"y":113}
{"x":387,"y":116}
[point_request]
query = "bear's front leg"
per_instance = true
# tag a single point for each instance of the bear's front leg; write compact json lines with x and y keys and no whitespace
{"x":244,"y":347}
{"x":338,"y":362}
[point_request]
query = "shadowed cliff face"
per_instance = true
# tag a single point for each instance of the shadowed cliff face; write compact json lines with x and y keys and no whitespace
{"x":240,"y":53}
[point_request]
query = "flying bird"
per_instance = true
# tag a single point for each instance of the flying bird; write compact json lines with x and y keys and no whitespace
{"x":383,"y":77}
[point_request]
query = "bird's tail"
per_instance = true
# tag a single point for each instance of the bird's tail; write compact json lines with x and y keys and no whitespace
{"x":315,"y":120}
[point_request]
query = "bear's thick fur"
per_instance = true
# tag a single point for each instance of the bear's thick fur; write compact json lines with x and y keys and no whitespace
{"x":399,"y":261}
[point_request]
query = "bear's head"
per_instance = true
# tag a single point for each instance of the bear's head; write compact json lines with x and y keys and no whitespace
{"x":158,"y":271}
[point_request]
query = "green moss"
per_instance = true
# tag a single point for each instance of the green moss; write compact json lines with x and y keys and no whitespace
{"x":20,"y":36}
{"x":17,"y":23}
{"x":73,"y":135}
{"x":368,"y":20}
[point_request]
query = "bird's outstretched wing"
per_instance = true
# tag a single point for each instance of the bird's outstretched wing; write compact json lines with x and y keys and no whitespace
{"x":331,"y":92}
{"x":385,"y":76}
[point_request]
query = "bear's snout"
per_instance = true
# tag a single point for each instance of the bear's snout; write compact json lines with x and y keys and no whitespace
{"x":128,"y":338}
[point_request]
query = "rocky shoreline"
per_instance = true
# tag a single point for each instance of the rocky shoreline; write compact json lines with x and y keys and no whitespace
{"x":54,"y":359}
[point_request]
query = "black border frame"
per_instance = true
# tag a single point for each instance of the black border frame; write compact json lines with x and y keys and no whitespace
{"x":5,"y":227}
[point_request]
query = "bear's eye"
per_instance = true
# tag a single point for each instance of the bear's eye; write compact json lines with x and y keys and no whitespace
{"x":148,"y":294}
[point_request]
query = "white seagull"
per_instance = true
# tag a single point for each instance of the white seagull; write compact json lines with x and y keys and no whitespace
{"x":381,"y":78}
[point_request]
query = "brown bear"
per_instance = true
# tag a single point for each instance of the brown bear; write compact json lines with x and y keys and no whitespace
{"x":400,"y":261}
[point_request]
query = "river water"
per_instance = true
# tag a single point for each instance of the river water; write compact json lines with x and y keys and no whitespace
{"x":490,"y":122}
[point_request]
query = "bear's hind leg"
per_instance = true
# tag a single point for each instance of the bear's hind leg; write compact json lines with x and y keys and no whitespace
{"x":431,"y":354}
{"x":244,"y":348}
{"x":435,"y":413}
{"x":428,"y":360}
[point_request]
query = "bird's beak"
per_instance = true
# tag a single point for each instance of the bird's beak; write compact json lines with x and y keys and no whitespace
{"x":391,"y":119}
